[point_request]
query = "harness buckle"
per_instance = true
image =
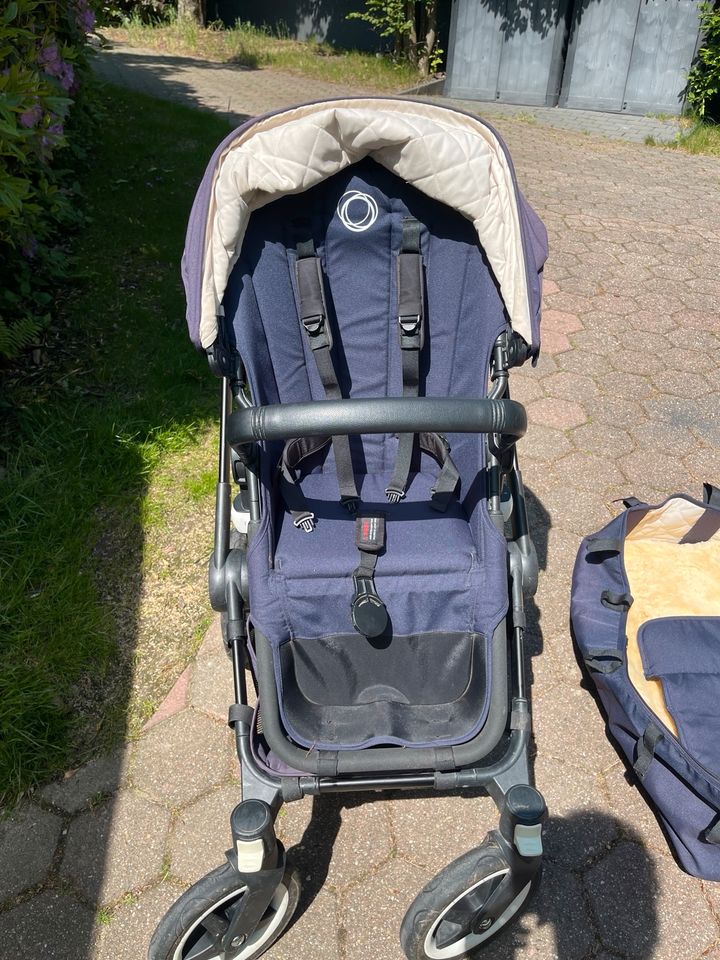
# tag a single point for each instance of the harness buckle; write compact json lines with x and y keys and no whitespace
{"x":368,"y":612}
{"x":394,"y":494}
{"x":305,"y":521}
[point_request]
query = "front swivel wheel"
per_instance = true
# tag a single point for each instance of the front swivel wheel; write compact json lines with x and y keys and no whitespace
{"x":195,"y":927}
{"x":468,"y":903}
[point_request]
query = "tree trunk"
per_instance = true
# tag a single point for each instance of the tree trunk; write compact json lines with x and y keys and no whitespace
{"x":192,"y":10}
{"x":430,"y":32}
{"x":411,"y":51}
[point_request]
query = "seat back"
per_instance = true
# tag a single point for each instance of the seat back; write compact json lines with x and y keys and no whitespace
{"x":355,"y":220}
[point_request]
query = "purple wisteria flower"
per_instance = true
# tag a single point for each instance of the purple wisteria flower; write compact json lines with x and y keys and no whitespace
{"x":84,"y":16}
{"x":51,"y":137}
{"x":31,"y":117}
{"x":54,"y":66}
{"x":49,"y":58}
{"x":67,"y":77}
{"x":29,"y":248}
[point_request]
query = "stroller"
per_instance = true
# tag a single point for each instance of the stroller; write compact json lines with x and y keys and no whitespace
{"x":363,"y":274}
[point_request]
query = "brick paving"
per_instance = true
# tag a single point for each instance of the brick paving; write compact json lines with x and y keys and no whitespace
{"x":616,"y":126}
{"x":231,"y":91}
{"x":624,"y":400}
{"x":242,"y":92}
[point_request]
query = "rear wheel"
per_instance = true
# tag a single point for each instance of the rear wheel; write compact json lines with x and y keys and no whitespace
{"x":467,"y":904}
{"x":194,"y":927}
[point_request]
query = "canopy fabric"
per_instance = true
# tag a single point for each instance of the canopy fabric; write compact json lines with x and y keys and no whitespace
{"x":451,"y":156}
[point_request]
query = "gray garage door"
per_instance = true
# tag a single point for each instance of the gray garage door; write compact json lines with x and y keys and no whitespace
{"x":505,"y":50}
{"x":617,"y":55}
{"x":631,"y":55}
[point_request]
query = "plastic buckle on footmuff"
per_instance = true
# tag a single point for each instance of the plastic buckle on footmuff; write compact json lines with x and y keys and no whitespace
{"x":369,"y":615}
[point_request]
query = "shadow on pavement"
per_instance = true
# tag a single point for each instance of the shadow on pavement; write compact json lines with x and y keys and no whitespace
{"x":610,"y":902}
{"x":540,"y":522}
{"x":158,"y":75}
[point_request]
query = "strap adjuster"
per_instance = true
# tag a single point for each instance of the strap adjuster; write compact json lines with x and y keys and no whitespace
{"x":305,"y":521}
{"x":410,"y":326}
{"x":314,"y":325}
{"x":394,"y":494}
{"x":444,"y":441}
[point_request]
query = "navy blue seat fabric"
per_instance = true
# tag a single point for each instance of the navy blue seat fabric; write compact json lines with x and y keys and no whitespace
{"x":440,"y":573}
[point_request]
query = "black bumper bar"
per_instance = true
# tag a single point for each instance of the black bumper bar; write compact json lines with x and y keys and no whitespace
{"x":323,"y":418}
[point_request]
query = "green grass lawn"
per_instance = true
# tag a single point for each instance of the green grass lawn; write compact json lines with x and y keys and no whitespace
{"x":118,"y":394}
{"x":702,"y":138}
{"x":248,"y":46}
{"x":696,"y":136}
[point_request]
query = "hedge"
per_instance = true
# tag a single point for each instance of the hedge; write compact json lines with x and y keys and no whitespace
{"x":703,"y":91}
{"x":43,"y":70}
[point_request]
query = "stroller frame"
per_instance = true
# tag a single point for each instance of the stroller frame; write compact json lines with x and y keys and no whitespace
{"x":255,"y":286}
{"x":257,"y":854}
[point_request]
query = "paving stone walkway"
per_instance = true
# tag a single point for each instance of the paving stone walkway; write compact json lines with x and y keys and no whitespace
{"x":615,"y":126}
{"x":231,"y":91}
{"x":624,"y":400}
{"x":240,"y":92}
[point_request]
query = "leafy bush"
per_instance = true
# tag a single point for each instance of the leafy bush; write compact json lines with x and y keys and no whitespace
{"x":412,"y":26}
{"x":703,"y":89}
{"x":43,"y":66}
{"x":144,"y":11}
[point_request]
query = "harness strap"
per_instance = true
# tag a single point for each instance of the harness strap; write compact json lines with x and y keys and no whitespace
{"x":446,"y":483}
{"x":603,"y":545}
{"x":369,"y":614}
{"x":616,"y":601}
{"x":314,"y":318}
{"x":411,"y":329}
{"x":294,"y":452}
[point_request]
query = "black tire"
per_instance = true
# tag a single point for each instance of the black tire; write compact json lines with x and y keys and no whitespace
{"x":179,"y":930}
{"x":480,"y":873}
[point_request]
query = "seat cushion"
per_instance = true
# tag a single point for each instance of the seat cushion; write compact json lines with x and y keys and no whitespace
{"x":419,"y":539}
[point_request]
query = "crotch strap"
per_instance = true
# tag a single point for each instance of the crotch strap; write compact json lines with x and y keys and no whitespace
{"x":369,"y":614}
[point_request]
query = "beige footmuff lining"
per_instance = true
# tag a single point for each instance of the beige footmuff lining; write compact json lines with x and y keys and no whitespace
{"x":672,"y":562}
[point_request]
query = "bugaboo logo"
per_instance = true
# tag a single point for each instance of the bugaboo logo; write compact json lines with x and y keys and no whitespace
{"x":357,"y":211}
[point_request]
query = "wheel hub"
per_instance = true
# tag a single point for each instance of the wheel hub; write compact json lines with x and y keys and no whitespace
{"x":481,"y":924}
